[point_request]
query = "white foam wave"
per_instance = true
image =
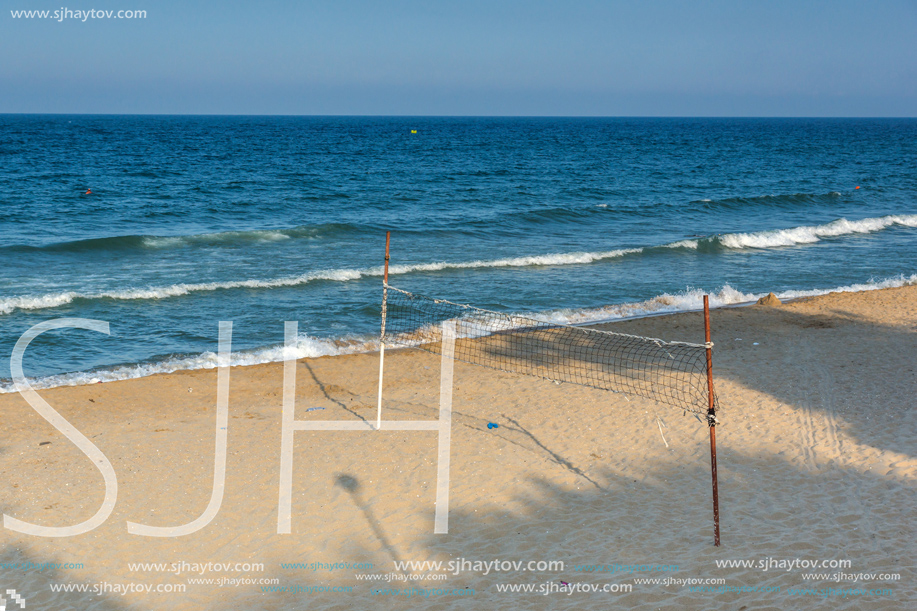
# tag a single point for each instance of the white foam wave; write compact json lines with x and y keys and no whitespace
{"x":311,"y":347}
{"x":814,"y":233}
{"x":762,"y":239}
{"x":872,"y":285}
{"x":258,"y":235}
{"x":692,"y":300}
{"x":40,"y":302}
{"x":667,"y":303}
{"x":572,"y":258}
{"x":807,"y":234}
{"x":176,"y":290}
{"x":306,"y":347}
{"x":339,"y":275}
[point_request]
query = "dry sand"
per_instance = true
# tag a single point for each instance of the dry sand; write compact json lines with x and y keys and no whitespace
{"x":817,"y":461}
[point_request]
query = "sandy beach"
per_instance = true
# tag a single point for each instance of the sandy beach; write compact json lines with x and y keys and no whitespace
{"x":817,"y":464}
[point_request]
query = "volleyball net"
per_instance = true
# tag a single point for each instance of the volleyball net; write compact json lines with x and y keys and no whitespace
{"x":671,"y":373}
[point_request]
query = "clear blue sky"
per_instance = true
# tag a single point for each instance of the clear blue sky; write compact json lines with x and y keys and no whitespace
{"x":468,"y":57}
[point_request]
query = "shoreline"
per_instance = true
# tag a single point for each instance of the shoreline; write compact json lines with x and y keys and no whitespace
{"x":359,"y":345}
{"x":340,"y":345}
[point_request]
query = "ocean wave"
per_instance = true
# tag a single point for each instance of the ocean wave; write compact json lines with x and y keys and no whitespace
{"x":222,"y":238}
{"x":762,"y":239}
{"x":691,"y":299}
{"x":641,"y":208}
{"x":571,"y":258}
{"x":781,"y":200}
{"x":54,"y":300}
{"x":686,"y":301}
{"x":176,"y":290}
{"x":808,"y":234}
{"x":872,"y":285}
{"x":306,"y":347}
{"x":540,"y":216}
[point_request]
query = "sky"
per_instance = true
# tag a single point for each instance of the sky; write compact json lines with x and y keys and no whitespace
{"x":840,"y":58}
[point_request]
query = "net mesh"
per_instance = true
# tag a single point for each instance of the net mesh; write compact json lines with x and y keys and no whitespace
{"x":671,"y":373}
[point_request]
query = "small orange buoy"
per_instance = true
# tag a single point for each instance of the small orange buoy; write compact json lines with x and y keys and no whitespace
{"x":856,"y":188}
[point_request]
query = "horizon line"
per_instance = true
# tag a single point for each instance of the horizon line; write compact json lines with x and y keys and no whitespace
{"x":435,"y":116}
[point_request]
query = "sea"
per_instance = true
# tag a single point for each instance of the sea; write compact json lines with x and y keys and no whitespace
{"x":163,"y":226}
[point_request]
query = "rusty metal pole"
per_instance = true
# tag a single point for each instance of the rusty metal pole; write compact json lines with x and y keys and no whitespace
{"x":388,"y":237}
{"x":388,"y":240}
{"x":711,"y":421}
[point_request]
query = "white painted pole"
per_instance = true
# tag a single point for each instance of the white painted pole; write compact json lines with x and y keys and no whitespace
{"x":388,"y":237}
{"x":441,"y":517}
{"x":379,"y":406}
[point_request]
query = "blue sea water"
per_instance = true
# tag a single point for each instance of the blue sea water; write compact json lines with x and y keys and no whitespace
{"x":259,"y":220}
